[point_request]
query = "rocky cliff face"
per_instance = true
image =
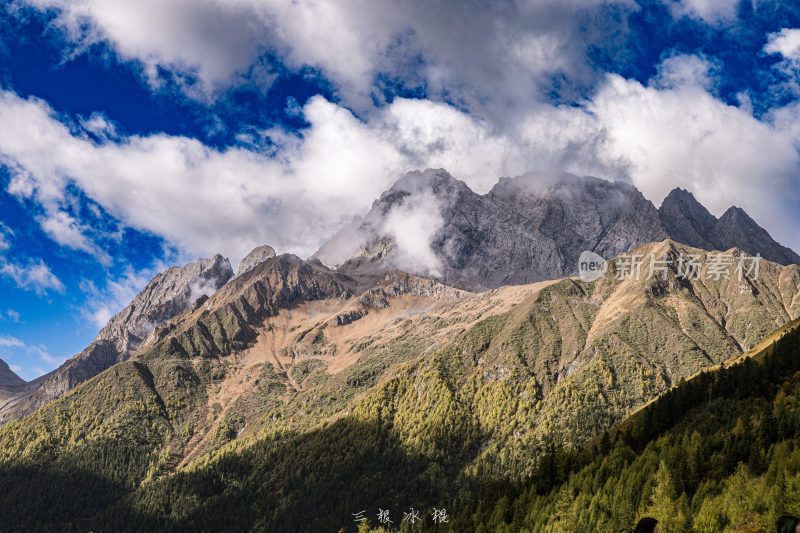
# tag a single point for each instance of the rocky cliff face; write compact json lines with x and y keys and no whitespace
{"x":687,"y":221}
{"x":167,"y":294}
{"x":736,"y":228}
{"x":526,"y":229}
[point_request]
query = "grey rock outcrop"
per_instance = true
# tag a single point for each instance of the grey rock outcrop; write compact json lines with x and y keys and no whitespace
{"x":10,"y":383}
{"x":736,"y":229}
{"x":166,"y":295}
{"x":255,"y":258}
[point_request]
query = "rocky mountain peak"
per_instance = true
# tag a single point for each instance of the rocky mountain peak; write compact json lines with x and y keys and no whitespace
{"x":686,"y":220}
{"x":525,"y":229}
{"x":254,"y":258}
{"x":166,"y":295}
{"x":735,"y":228}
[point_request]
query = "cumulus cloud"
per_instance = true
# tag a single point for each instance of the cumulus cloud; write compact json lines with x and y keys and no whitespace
{"x":710,"y":11}
{"x":785,"y":42}
{"x":34,"y":275}
{"x":683,"y":136}
{"x":202,"y":43}
{"x":412,"y":225}
{"x":495,"y":54}
{"x":671,"y":132}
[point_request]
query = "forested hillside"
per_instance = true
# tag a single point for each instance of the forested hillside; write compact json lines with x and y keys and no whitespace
{"x":717,"y":453}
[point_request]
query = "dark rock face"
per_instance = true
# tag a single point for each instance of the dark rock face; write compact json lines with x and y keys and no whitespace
{"x":688,"y":222}
{"x":736,"y":229}
{"x":524,"y":230}
{"x":10,"y":383}
{"x":7,"y":376}
{"x":167,"y":294}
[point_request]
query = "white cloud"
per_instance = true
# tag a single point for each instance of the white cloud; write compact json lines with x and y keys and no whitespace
{"x":101,"y":305}
{"x":5,"y":234}
{"x":41,"y":350}
{"x":66,"y":231}
{"x":672,"y":132}
{"x":7,"y":341}
{"x":785,"y":42}
{"x":12,"y":315}
{"x":492,"y":54}
{"x":686,"y":70}
{"x":413,"y":225}
{"x":34,"y":275}
{"x":683,"y":136}
{"x":710,"y":11}
{"x":209,"y":40}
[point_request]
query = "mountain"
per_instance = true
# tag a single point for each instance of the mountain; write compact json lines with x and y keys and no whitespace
{"x":295,"y":387}
{"x":687,"y":221}
{"x":525,"y":229}
{"x":166,"y":295}
{"x":255,"y":258}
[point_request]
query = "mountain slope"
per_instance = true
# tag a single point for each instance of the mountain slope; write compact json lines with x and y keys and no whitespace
{"x":716,"y":453}
{"x":166,"y":295}
{"x":412,"y":389}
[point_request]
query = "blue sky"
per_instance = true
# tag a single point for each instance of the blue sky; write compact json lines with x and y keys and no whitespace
{"x":137,"y":135}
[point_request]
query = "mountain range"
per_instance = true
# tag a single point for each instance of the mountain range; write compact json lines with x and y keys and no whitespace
{"x":379,"y":366}
{"x":526,"y":229}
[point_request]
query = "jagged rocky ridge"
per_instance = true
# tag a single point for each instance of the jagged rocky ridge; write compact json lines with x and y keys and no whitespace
{"x":687,"y":221}
{"x":529,"y":228}
{"x":166,"y":295}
